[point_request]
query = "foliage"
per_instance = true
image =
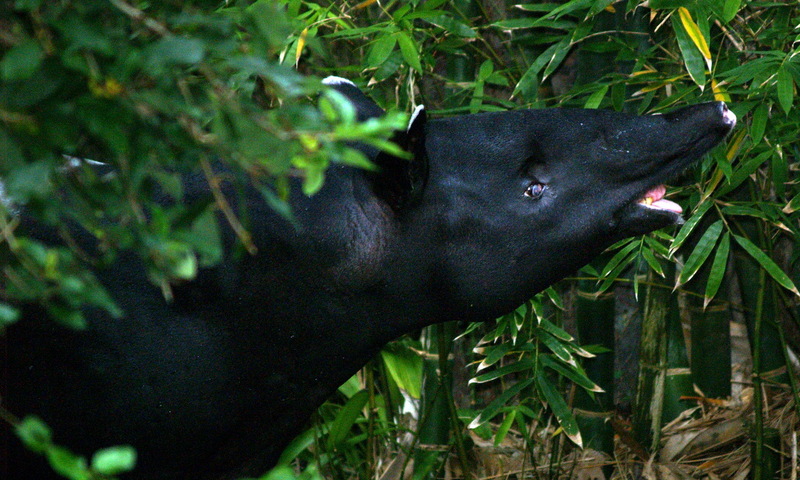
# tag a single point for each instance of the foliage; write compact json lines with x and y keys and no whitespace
{"x":158,"y":90}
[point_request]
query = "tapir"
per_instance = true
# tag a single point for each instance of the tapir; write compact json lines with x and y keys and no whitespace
{"x":491,"y":209}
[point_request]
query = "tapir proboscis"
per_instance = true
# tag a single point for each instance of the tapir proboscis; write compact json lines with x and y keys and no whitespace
{"x":493,"y":208}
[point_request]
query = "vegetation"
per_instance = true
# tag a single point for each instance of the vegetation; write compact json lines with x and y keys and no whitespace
{"x":156,"y":89}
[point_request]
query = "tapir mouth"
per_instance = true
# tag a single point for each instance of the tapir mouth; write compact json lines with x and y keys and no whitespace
{"x":648,"y":210}
{"x":654,"y":198}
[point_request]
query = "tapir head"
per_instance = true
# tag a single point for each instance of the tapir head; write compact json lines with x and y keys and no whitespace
{"x":523,"y":198}
{"x":504,"y":204}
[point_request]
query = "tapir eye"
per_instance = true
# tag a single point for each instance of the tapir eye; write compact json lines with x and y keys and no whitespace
{"x":535,"y":190}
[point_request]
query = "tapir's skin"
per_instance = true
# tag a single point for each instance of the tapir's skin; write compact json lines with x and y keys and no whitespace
{"x":493,"y":208}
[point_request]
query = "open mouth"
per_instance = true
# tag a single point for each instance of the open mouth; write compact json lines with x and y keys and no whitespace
{"x":654,"y":198}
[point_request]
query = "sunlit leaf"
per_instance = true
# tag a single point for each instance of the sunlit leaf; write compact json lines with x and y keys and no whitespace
{"x":114,"y":460}
{"x":346,"y":417}
{"x":692,"y":58}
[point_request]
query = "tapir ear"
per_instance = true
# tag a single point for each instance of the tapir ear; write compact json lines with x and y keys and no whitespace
{"x":365,"y":107}
{"x":399,"y":180}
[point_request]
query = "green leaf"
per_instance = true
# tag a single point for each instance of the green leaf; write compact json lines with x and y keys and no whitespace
{"x":556,"y":346}
{"x":114,"y":460}
{"x":767,"y":263}
{"x":692,"y":58}
{"x":494,"y":354}
{"x":34,"y":433}
{"x":502,"y":430}
{"x":559,"y":407}
{"x":346,"y":418}
{"x":572,"y":372}
{"x":175,"y":50}
{"x":404,"y":367}
{"x":701,"y":252}
{"x":494,"y":407}
{"x":729,"y":9}
{"x":596,"y":98}
{"x":557,"y":332}
{"x":618,"y":259}
{"x":67,"y":463}
{"x":452,"y":26}
{"x":651,"y":260}
{"x":380,"y":50}
{"x":717,"y":269}
{"x":409,"y":50}
{"x":22,"y":61}
{"x":689,"y":227}
{"x":530,"y":77}
{"x":785,"y":86}
{"x":693,"y":30}
{"x":519,"y":366}
{"x":759,"y":123}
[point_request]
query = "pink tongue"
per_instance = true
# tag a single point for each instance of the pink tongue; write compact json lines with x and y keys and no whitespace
{"x":657,"y":200}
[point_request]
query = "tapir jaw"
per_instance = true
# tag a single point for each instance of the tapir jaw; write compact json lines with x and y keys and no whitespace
{"x":646,"y":209}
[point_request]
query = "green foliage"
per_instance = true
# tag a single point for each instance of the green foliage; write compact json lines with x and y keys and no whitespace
{"x":105,"y":463}
{"x":161,"y":89}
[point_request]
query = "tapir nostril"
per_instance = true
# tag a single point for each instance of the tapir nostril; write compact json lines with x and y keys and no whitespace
{"x":728,"y":117}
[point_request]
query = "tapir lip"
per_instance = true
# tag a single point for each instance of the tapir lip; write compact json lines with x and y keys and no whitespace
{"x":636,"y":217}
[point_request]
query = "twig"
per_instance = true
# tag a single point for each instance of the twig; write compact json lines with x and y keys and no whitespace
{"x":225,"y":207}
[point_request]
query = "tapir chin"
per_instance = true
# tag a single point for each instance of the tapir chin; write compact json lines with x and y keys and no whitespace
{"x":493,"y":208}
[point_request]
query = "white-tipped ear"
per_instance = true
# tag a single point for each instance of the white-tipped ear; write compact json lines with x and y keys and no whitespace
{"x":414,"y":116}
{"x":332,"y":80}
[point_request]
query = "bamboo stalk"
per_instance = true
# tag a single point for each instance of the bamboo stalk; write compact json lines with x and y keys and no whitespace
{"x":594,"y":317}
{"x":649,"y":403}
{"x":434,"y":428}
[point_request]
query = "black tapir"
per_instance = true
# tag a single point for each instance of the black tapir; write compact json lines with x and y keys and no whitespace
{"x":493,"y":208}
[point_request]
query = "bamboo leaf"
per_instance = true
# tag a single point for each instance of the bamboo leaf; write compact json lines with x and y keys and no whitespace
{"x":692,"y":58}
{"x":618,"y":258}
{"x":651,"y":260}
{"x":409,"y":50}
{"x":793,"y":205}
{"x":717,"y":269}
{"x":573,"y":372}
{"x":594,"y":99}
{"x":729,"y":9}
{"x":502,"y":431}
{"x":557,"y":57}
{"x":555,"y":346}
{"x":767,"y":263}
{"x":559,"y":407}
{"x":381,"y":49}
{"x":700,"y":253}
{"x":555,"y":331}
{"x":785,"y":85}
{"x":505,"y":370}
{"x":695,"y":34}
{"x":759,"y":123}
{"x":346,"y":417}
{"x":498,"y":403}
{"x":494,"y":354}
{"x":689,"y":227}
